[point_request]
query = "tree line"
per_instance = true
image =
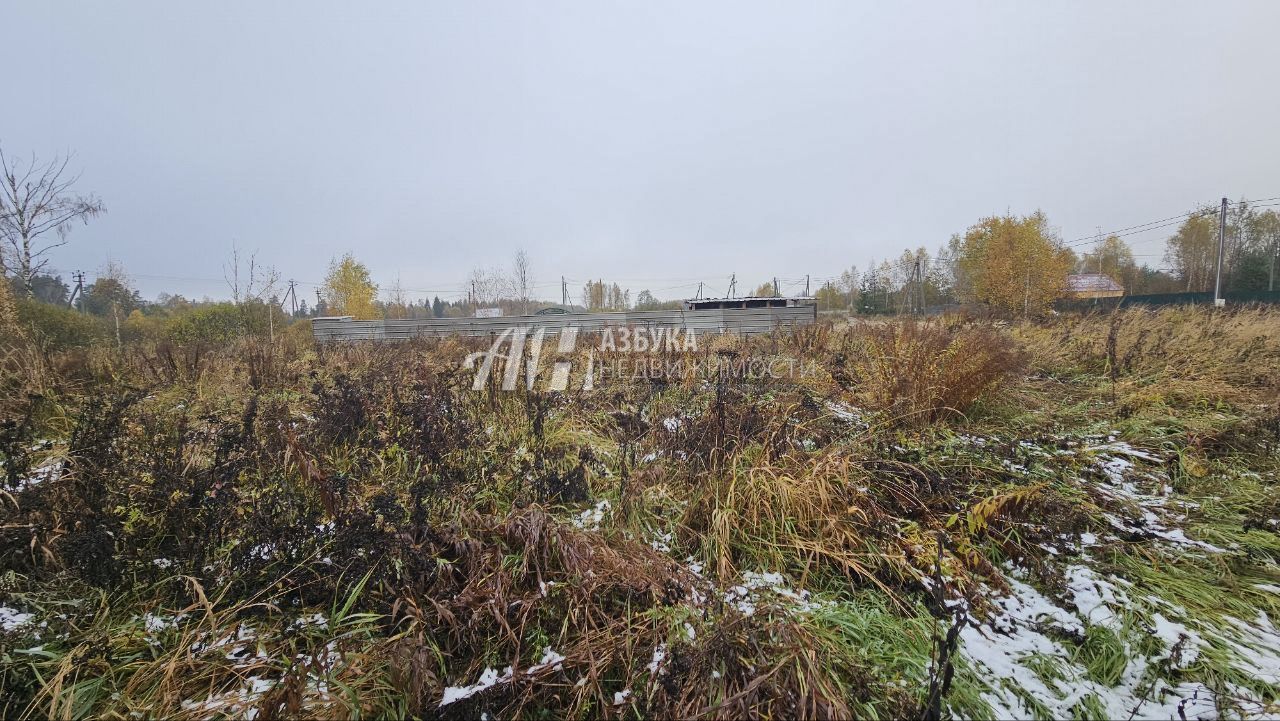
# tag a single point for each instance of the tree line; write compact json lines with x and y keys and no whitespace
{"x":1017,"y":265}
{"x":1020,"y":265}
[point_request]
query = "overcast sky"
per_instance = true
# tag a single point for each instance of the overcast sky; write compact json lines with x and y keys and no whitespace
{"x":652,"y":143}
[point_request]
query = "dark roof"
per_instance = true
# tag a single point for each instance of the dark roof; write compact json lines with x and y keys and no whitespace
{"x":1091,"y":283}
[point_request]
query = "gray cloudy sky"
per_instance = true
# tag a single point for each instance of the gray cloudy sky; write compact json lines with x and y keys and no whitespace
{"x":653,"y":143}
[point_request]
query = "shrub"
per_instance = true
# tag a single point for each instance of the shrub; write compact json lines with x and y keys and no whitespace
{"x":218,"y":323}
{"x":921,"y":371}
{"x":60,"y":327}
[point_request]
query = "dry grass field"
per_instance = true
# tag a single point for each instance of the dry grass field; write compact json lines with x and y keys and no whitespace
{"x":1078,"y":517}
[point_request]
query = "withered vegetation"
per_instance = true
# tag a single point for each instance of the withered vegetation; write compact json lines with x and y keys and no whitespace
{"x":207,"y":530}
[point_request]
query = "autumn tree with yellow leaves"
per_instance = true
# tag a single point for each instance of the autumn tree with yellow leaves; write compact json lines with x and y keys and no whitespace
{"x":1014,"y":264}
{"x":349,"y":291}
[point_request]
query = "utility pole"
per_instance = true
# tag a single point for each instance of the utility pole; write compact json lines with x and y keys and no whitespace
{"x":919,"y":289}
{"x":1271,"y":280}
{"x":699,"y":295}
{"x":733,"y":284}
{"x":1099,"y":250}
{"x":1218,"y":300}
{"x":806,"y":285}
{"x":776,"y":292}
{"x":78,"y":293}
{"x":293,"y":298}
{"x":564,"y":292}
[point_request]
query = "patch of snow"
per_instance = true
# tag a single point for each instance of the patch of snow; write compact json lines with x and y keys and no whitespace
{"x":488,"y":679}
{"x":1257,"y":648}
{"x":156,"y":623}
{"x":237,"y":703}
{"x":662,"y":543}
{"x":1093,"y":596}
{"x":695,"y":567}
{"x":12,"y":619}
{"x":550,"y":659}
{"x":313,"y":620}
{"x":590,"y":519}
{"x":747,"y":596}
{"x":659,"y":654}
{"x":48,"y":472}
{"x":1027,"y":630}
{"x":1175,"y":635}
{"x":847,"y":413}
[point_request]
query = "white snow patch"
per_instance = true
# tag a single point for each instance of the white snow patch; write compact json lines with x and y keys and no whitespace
{"x":662,"y":542}
{"x":590,"y":519}
{"x":489,"y":678}
{"x":51,"y":471}
{"x":847,"y":413}
{"x":312,"y":620}
{"x":11,"y":619}
{"x":550,"y":659}
{"x":1025,"y":633}
{"x":659,"y":654}
{"x":1257,"y":648}
{"x":237,"y":703}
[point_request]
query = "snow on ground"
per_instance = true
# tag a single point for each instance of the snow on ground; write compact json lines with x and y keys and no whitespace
{"x":488,"y":678}
{"x":551,"y":660}
{"x":50,"y":471}
{"x":313,"y":620}
{"x":1115,"y":461}
{"x":12,"y":619}
{"x":1024,"y":648}
{"x":590,"y":519}
{"x":757,"y":588}
{"x":847,"y":413}
{"x":1257,"y":648}
{"x":237,"y":703}
{"x":1029,"y":647}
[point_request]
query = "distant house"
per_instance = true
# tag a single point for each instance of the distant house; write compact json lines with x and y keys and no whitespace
{"x":1085,"y":286}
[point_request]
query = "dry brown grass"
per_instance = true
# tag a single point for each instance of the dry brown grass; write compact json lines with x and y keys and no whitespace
{"x":918,"y":372}
{"x":1168,"y":357}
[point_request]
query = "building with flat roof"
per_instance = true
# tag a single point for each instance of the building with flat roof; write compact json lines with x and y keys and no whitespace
{"x":1086,"y":286}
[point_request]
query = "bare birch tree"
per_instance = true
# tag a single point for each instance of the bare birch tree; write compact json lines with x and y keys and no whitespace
{"x":522,"y":279}
{"x":252,"y":284}
{"x":37,"y":210}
